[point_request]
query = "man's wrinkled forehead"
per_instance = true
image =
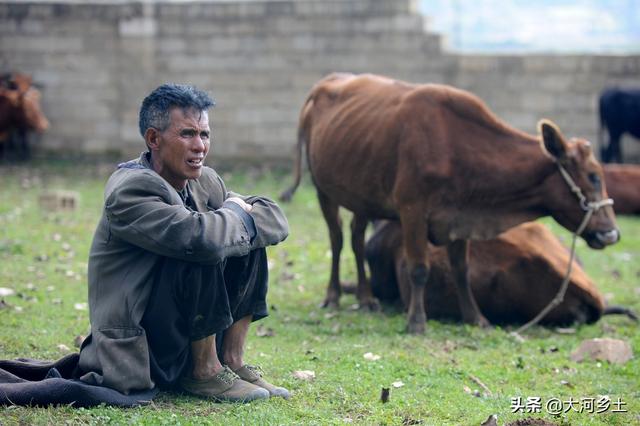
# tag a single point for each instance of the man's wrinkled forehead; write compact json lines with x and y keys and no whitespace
{"x":195,"y":116}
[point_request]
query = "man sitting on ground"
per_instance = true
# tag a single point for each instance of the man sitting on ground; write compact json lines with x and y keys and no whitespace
{"x":178,"y":267}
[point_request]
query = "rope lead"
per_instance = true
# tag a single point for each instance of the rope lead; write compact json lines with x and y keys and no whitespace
{"x":589,"y":208}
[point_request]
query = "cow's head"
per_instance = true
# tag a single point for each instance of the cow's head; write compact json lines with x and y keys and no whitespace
{"x":33,"y":115}
{"x":578,"y":186}
{"x":24,"y":100}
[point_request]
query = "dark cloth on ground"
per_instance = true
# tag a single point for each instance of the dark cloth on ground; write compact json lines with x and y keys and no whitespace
{"x":191,"y":301}
{"x":41,"y":383}
{"x":188,"y":302}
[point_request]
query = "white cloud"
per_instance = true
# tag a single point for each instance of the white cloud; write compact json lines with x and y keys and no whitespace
{"x":543,"y":25}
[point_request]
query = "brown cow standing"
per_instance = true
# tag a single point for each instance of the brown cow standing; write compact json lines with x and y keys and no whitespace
{"x":623,"y":184}
{"x":438,"y":160}
{"x":513,"y":277}
{"x":19,"y":112}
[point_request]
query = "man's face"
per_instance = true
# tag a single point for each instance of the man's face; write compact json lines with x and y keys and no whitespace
{"x":177,"y":153}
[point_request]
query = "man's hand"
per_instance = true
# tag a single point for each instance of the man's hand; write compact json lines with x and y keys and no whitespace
{"x":239,"y":201}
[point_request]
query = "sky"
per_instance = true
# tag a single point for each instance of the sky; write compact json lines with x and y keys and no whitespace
{"x":589,"y":26}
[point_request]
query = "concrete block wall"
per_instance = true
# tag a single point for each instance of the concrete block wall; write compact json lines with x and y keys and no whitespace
{"x":524,"y":89}
{"x":259,"y":58}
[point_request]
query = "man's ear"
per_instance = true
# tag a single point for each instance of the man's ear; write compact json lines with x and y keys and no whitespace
{"x":151,"y":138}
{"x":552,"y":140}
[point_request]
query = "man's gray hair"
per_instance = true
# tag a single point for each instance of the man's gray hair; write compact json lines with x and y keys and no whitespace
{"x":154,"y":111}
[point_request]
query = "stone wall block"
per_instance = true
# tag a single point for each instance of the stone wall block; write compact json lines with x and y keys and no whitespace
{"x":137,"y":27}
{"x":41,"y":44}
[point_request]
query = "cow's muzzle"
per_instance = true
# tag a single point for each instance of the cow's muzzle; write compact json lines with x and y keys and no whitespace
{"x":599,"y":240}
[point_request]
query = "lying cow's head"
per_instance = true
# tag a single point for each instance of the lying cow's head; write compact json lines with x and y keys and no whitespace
{"x":585,"y":174}
{"x":24,"y":102}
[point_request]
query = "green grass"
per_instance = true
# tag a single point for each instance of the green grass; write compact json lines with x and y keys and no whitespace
{"x":43,"y":257}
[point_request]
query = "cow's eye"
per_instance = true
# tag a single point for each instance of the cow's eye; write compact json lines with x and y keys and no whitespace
{"x":595,"y":180}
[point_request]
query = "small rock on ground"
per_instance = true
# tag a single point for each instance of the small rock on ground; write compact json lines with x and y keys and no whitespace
{"x":613,"y":350}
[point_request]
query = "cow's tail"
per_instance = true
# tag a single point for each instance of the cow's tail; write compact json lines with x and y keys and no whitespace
{"x":303,"y":138}
{"x":620,"y":310}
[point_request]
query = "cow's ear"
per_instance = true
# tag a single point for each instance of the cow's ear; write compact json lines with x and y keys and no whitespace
{"x":552,"y":140}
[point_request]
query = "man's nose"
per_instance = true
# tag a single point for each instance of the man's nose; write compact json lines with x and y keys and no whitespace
{"x":199,"y":144}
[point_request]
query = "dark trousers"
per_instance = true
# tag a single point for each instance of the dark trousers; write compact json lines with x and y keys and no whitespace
{"x":191,"y":301}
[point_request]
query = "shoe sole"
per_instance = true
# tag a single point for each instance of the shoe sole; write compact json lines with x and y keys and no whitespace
{"x":249,"y":398}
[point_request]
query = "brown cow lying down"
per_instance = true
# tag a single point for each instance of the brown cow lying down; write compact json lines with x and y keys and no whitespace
{"x":19,"y":112}
{"x":436,"y":159}
{"x":623,"y":184}
{"x":513,"y":277}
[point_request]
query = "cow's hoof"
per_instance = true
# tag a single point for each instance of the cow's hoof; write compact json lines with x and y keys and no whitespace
{"x":416,"y":327}
{"x":482,"y":322}
{"x":477,"y":320}
{"x":330,"y":304}
{"x":369,"y":305}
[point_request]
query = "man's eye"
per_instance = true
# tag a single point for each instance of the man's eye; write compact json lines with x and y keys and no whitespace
{"x":204,"y":135}
{"x":187,"y":133}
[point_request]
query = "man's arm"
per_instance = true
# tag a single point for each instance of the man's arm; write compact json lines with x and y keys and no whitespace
{"x":271,"y":223}
{"x":140,"y":212}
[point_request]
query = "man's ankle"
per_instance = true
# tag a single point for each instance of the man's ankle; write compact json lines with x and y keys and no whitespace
{"x":235,"y":365}
{"x":233,"y":362}
{"x":206,"y":373}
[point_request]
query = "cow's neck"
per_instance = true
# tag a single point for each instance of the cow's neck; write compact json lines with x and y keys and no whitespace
{"x":514,"y":191}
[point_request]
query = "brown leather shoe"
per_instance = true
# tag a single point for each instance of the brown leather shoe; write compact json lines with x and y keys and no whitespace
{"x":225,"y":386}
{"x":253,"y":375}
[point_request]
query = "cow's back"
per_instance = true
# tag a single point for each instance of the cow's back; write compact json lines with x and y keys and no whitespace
{"x":353,"y":135}
{"x":619,"y":110}
{"x":372,"y":141}
{"x":623,"y":186}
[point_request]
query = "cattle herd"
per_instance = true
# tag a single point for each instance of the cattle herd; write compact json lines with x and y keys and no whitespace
{"x":451,"y":190}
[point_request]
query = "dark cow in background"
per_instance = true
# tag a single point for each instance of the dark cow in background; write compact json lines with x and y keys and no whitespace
{"x":619,"y":114}
{"x":20,"y":113}
{"x":439,"y":161}
{"x":513,"y":277}
{"x":623,"y":184}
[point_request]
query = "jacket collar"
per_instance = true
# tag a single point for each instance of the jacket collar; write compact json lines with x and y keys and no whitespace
{"x":145,"y":160}
{"x":193,"y":188}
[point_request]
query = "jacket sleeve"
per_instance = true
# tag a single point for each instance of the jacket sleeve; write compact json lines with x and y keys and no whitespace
{"x":271,"y":223}
{"x":140,"y":212}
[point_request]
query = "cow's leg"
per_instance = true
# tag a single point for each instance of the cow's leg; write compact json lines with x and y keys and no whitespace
{"x":459,"y":258}
{"x":25,"y":148}
{"x":330,"y":211}
{"x":605,"y":147}
{"x":364,"y":293}
{"x":604,"y":154}
{"x":414,"y":236}
{"x":615,"y":150}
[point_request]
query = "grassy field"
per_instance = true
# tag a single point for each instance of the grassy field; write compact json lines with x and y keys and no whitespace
{"x":43,"y":258}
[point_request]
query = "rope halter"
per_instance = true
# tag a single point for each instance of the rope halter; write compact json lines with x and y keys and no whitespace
{"x":584,"y":204}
